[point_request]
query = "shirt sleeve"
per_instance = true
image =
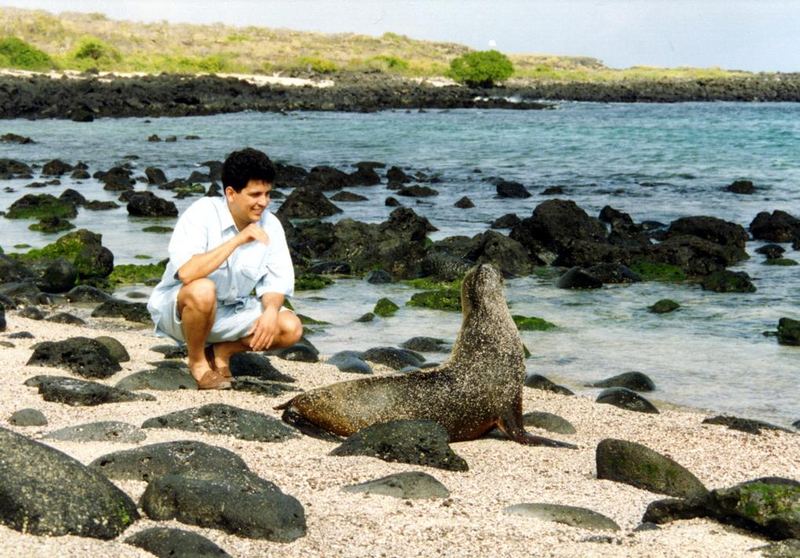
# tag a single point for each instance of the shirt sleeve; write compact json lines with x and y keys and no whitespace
{"x":280,"y":271}
{"x":190,"y":236}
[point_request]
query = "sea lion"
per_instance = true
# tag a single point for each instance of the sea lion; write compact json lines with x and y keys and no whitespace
{"x":478,"y":388}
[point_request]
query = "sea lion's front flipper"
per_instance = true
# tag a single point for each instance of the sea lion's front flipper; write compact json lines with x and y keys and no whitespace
{"x":511,"y":424}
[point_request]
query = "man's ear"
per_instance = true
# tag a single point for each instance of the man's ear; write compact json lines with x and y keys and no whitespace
{"x":229,"y":192}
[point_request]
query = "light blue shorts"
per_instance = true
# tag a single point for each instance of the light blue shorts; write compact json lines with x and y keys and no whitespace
{"x":231,"y":322}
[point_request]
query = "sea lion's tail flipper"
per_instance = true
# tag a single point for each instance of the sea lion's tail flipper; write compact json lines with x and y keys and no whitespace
{"x":293,"y":417}
{"x":512,"y":425}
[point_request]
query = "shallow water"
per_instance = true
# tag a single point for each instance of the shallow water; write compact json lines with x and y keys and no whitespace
{"x":657,"y":162}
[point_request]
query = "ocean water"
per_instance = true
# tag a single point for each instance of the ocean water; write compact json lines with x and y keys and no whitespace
{"x":656,"y":162}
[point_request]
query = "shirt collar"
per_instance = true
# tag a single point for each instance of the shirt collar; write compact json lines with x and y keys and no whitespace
{"x":225,"y":217}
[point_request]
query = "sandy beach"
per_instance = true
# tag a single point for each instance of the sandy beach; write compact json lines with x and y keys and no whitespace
{"x":470,"y":522}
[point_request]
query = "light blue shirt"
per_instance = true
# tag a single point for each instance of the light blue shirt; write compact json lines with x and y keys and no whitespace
{"x":206,"y":224}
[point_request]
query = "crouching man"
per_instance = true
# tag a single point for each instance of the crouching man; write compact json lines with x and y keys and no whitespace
{"x":222,"y":249}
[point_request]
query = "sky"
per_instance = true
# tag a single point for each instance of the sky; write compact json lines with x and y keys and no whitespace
{"x":753,"y":35}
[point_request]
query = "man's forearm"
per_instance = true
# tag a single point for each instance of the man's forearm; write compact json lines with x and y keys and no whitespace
{"x":203,"y":265}
{"x":272,"y":300}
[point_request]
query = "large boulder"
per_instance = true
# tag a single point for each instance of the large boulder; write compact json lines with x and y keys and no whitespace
{"x":777,"y":226}
{"x":131,"y":311}
{"x":639,"y":466}
{"x":218,"y":418}
{"x":418,"y":442}
{"x":147,"y":204}
{"x":788,"y":331}
{"x":11,"y":168}
{"x":237,"y":502}
{"x":769,"y":506}
{"x":726,"y":281}
{"x":712,"y":229}
{"x":627,"y":399}
{"x":70,"y":391}
{"x":41,"y":206}
{"x":560,"y":232}
{"x":56,"y":167}
{"x":510,"y":189}
{"x":327,"y":179}
{"x":46,"y":492}
{"x":116,"y":179}
{"x":165,"y":542}
{"x":83,"y":356}
{"x":696,"y":256}
{"x":13,"y":271}
{"x":506,"y":254}
{"x":156,"y":460}
{"x":307,"y":203}
{"x":56,"y":276}
{"x":83,"y":249}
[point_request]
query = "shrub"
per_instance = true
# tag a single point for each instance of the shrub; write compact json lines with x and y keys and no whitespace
{"x":392,"y":63}
{"x":317,"y":65}
{"x":481,"y":68}
{"x":19,"y":54}
{"x":92,"y":52}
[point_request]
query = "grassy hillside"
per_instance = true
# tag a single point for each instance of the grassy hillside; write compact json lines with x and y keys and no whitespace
{"x":85,"y":41}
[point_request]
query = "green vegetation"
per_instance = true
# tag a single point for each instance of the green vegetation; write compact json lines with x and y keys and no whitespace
{"x":37,"y":40}
{"x":311,"y":282}
{"x":532,"y":323}
{"x":16,"y":53}
{"x":442,"y":299}
{"x":385,"y":308}
{"x":51,"y":225}
{"x":429,"y":284}
{"x":760,"y":501}
{"x":91,"y":52}
{"x":41,"y":206}
{"x":650,"y":271}
{"x":780,"y":261}
{"x":81,"y":248}
{"x":127,"y":274}
{"x":317,"y":65}
{"x":483,"y":68}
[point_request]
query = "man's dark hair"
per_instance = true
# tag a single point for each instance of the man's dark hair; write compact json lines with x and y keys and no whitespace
{"x":243,"y":166}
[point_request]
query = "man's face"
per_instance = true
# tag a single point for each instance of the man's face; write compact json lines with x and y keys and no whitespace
{"x":247,"y":206}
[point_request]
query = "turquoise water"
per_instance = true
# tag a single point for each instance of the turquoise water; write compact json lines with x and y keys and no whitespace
{"x":657,"y":162}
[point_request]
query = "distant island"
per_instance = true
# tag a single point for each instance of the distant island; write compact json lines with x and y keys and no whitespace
{"x":92,"y":41}
{"x":161,"y":69}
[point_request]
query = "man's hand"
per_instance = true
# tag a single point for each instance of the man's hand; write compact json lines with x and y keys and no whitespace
{"x":252,"y":232}
{"x":264,"y":329}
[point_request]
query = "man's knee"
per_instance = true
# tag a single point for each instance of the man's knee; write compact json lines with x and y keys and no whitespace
{"x":291,"y":327}
{"x":200,"y":295}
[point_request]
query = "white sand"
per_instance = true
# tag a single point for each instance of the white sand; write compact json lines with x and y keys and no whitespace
{"x":257,"y":79}
{"x":470,"y":523}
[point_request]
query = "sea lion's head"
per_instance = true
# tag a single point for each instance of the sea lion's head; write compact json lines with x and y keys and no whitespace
{"x":482,"y":287}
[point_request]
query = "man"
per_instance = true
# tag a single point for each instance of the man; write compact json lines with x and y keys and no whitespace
{"x":220,"y":251}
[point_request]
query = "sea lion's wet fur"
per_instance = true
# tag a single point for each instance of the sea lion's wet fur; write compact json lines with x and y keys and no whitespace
{"x":478,"y":388}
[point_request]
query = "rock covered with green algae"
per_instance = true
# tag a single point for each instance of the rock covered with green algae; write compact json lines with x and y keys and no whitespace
{"x":769,"y":505}
{"x":640,"y":466}
{"x":532,"y":323}
{"x":385,"y":308}
{"x":83,"y":249}
{"x":441,"y":299}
